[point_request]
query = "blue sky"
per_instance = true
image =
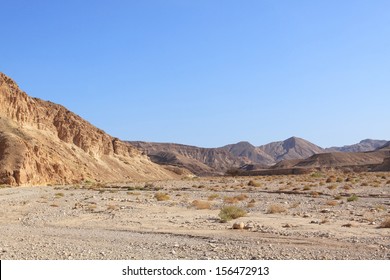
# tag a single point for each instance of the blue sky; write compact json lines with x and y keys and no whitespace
{"x":204,"y":72}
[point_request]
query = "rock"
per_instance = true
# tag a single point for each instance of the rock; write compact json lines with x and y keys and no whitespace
{"x":238,"y":225}
{"x":249,"y":226}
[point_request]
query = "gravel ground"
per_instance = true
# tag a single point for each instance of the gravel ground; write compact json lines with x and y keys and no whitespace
{"x":126,"y":221}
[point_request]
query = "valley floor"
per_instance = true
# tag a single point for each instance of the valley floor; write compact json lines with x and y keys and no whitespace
{"x":314,"y":216}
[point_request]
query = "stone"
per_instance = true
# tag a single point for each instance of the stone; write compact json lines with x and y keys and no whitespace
{"x":238,"y":225}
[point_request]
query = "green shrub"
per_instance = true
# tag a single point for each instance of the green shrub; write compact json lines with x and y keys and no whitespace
{"x":228,"y":213}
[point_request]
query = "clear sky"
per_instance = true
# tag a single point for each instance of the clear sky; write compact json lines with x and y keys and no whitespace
{"x":207,"y":72}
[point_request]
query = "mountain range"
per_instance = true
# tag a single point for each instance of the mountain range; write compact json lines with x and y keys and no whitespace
{"x":45,"y":143}
{"x":286,"y":154}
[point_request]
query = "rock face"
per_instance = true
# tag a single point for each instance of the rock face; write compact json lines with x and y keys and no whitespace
{"x":42,"y":142}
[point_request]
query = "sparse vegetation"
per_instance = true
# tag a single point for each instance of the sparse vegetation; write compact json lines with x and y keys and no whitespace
{"x":253,"y":183}
{"x":332,"y":202}
{"x":200,"y":204}
{"x":276,"y":209}
{"x":229,"y":213}
{"x":353,"y":197}
{"x":213,"y":196}
{"x":161,"y":196}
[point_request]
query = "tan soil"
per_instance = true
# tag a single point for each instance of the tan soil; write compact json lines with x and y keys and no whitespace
{"x":125,"y":221}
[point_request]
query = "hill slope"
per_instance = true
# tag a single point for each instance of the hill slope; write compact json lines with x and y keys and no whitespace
{"x":201,"y":161}
{"x":42,"y":142}
{"x":363,"y":146}
{"x":291,"y":148}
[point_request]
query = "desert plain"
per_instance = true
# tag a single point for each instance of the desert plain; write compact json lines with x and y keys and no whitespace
{"x":321,"y":215}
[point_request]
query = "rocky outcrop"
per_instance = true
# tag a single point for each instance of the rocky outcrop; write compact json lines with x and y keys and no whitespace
{"x":42,"y":142}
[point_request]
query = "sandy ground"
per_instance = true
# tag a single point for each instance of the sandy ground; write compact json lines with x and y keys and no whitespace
{"x":315,"y":216}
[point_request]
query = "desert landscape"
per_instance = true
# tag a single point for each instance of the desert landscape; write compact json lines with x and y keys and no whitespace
{"x":332,"y":215}
{"x":71,"y":191}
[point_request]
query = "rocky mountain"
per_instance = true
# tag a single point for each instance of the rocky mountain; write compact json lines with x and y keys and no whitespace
{"x":201,"y":161}
{"x":246,"y":150}
{"x":291,"y":148}
{"x":363,"y":146}
{"x":42,"y":142}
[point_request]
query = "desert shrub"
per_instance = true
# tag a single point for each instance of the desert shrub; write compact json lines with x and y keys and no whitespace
{"x":347,"y":187}
{"x":241,"y":197}
{"x":110,"y":207}
{"x":230,"y":199}
{"x":276,"y":208}
{"x":200,"y":204}
{"x":228,"y":213}
{"x":316,"y":175}
{"x":353,"y":197}
{"x":332,"y":187}
{"x":332,"y":202}
{"x":253,"y":183}
{"x":251,"y":204}
{"x":213,"y":196}
{"x":385,"y":223}
{"x":161,"y":196}
{"x":295,"y":205}
{"x":331,"y":179}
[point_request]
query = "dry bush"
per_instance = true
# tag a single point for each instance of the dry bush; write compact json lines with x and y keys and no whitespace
{"x":241,"y":197}
{"x":385,"y":223}
{"x":58,"y":195}
{"x":353,"y":197}
{"x":332,"y":187}
{"x":347,"y":187}
{"x":337,"y":197}
{"x":253,"y":183}
{"x":365,"y":184}
{"x":314,"y":194}
{"x":54,"y":205}
{"x":213,"y":196}
{"x":306,"y":188}
{"x":332,"y":202}
{"x":331,"y":179}
{"x":228,"y":213}
{"x":200,"y":204}
{"x":251,"y":204}
{"x":161,"y":196}
{"x":380,"y":207}
{"x":110,"y":207}
{"x":276,"y":208}
{"x":230,"y":199}
{"x":295,"y":205}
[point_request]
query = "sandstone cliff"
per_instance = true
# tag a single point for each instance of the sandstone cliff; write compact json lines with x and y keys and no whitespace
{"x":42,"y":142}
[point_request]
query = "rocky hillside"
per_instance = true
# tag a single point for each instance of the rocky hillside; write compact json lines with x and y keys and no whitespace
{"x":291,"y":148}
{"x":201,"y":161}
{"x":363,"y":146}
{"x":247,"y":151}
{"x":42,"y":142}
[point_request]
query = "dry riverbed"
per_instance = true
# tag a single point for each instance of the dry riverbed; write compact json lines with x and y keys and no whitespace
{"x":314,"y":216}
